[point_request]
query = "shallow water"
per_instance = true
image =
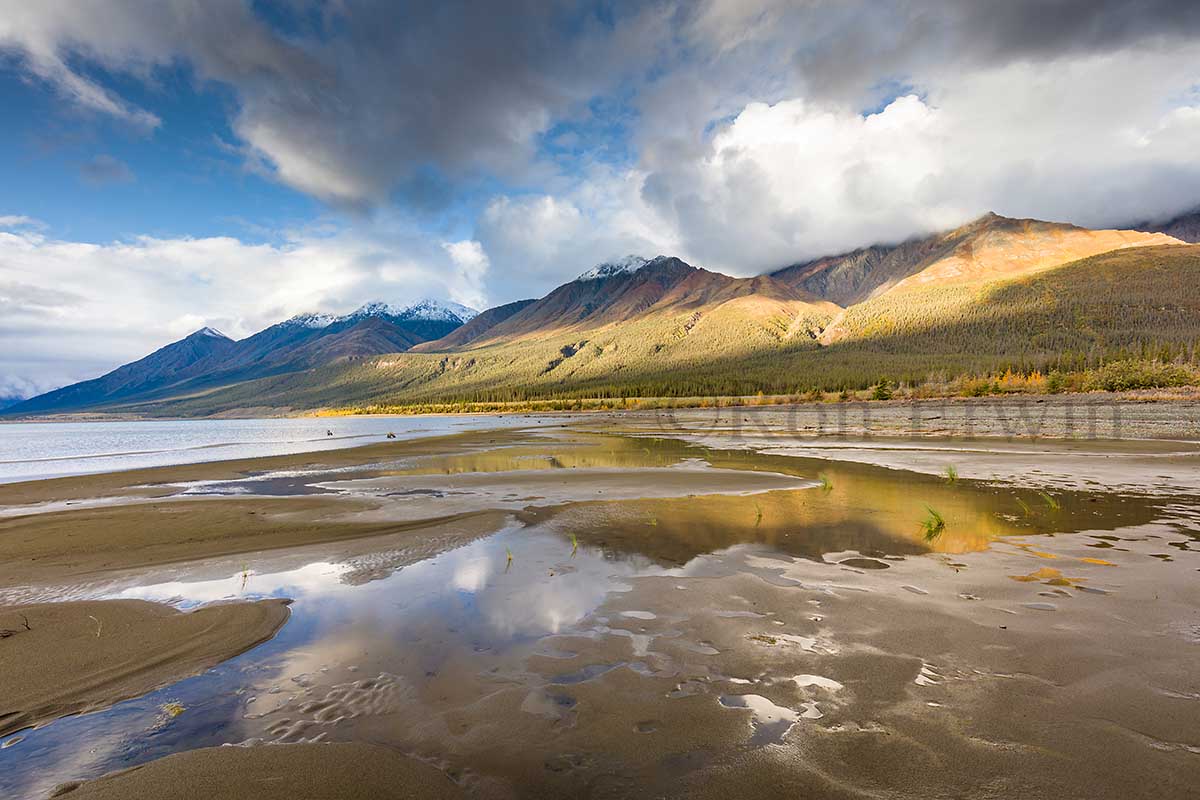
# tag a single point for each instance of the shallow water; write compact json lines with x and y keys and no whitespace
{"x":629,"y":646}
{"x":37,"y":450}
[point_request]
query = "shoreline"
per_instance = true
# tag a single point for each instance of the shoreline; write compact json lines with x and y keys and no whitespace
{"x":1132,"y":417}
{"x":594,"y":405}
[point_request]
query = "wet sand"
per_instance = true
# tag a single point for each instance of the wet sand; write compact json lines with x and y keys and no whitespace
{"x":280,"y":772}
{"x":1099,"y":415}
{"x":62,"y":547}
{"x":669,"y":613}
{"x":71,"y":658}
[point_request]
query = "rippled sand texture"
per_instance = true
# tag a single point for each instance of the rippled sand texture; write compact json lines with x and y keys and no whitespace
{"x":572,"y":612}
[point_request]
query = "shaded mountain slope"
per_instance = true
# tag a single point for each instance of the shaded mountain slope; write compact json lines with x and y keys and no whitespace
{"x":475,"y":328}
{"x":1185,"y":227}
{"x":163,"y":366}
{"x":207,"y":360}
{"x":991,"y":247}
{"x":664,"y":287}
{"x":593,"y":301}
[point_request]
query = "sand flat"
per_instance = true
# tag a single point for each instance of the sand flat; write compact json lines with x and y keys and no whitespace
{"x":643,"y":616}
{"x":51,"y":548}
{"x":337,"y":771}
{"x":69,"y":658}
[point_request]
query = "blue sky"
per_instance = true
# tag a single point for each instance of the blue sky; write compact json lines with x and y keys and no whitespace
{"x":169,"y":164}
{"x":185,"y":181}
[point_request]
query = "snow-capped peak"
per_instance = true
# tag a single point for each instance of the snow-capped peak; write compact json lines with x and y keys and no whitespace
{"x":622,"y":266}
{"x":213,"y":332}
{"x":312,"y":320}
{"x":446,"y":310}
{"x":425,"y":309}
{"x":376,"y":308}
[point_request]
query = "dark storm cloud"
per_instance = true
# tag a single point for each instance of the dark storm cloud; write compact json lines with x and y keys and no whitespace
{"x":347,"y":101}
{"x":847,"y":47}
{"x":355,"y":100}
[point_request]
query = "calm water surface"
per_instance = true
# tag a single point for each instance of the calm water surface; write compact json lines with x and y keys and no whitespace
{"x":37,"y":450}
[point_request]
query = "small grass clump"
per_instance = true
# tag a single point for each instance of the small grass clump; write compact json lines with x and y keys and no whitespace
{"x":934,"y":524}
{"x":1050,"y":502}
{"x":826,"y":484}
{"x":1025,"y":507}
{"x":172,"y":709}
{"x":757,"y":515}
{"x":951,"y":474}
{"x":7,"y":632}
{"x":574,"y":545}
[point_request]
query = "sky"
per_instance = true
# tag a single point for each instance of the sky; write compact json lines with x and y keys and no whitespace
{"x":172,"y":164}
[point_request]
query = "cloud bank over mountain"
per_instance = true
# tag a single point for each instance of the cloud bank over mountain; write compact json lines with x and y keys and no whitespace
{"x":486,"y":156}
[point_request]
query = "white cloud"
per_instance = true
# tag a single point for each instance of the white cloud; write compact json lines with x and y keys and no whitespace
{"x":537,"y":242}
{"x":19,"y":221}
{"x":471,"y":265}
{"x":73,"y":310}
{"x":1097,"y":140}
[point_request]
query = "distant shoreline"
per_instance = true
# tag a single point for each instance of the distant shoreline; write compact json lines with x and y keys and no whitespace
{"x":831,"y":400}
{"x":1163,"y":414}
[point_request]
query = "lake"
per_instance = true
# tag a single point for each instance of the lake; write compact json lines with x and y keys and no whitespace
{"x":38,"y":450}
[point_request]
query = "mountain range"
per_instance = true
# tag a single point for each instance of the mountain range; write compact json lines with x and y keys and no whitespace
{"x":993,"y":294}
{"x":208,"y":358}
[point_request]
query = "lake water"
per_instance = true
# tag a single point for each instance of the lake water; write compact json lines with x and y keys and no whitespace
{"x":37,"y":450}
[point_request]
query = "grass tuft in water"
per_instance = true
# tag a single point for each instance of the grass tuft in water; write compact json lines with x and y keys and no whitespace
{"x":574,"y":545}
{"x":826,"y":484}
{"x":951,"y":473}
{"x":172,"y":709}
{"x":757,"y":515}
{"x":1050,"y":502}
{"x":934,"y":524}
{"x":1025,"y":507}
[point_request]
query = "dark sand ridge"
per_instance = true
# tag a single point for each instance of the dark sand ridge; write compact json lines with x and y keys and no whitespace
{"x":68,"y":546}
{"x":344,"y":771}
{"x":69,"y":658}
